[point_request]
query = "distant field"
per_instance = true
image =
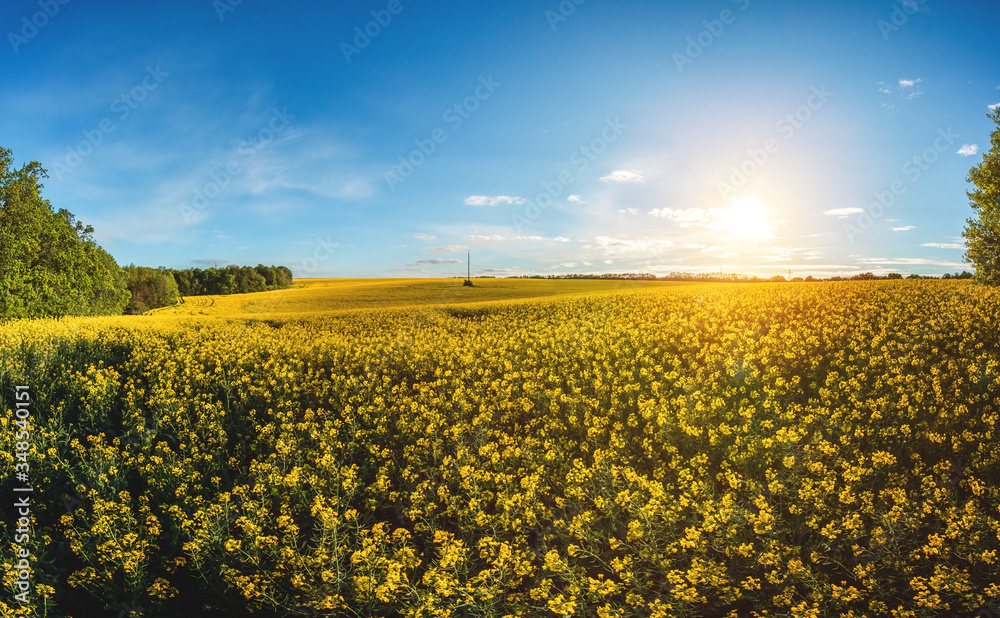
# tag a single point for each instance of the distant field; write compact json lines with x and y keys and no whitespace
{"x":343,"y":295}
{"x":523,"y":448}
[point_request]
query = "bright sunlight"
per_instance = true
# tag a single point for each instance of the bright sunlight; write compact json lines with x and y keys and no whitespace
{"x":748,"y":218}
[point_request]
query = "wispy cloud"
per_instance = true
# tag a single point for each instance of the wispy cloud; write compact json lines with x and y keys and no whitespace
{"x":786,"y":254}
{"x":911,"y":262}
{"x":621,"y":176}
{"x":905,"y":228}
{"x":911,"y":88}
{"x":448,"y":249}
{"x":480,"y":237}
{"x":614,"y":247}
{"x":435,"y":262}
{"x":483,"y":200}
{"x":576,"y":199}
{"x":629,"y":211}
{"x":968,"y":150}
{"x":943,"y":245}
{"x":691,"y":217}
{"x":994,"y":107}
{"x":421,"y":236}
{"x":542,"y":238}
{"x":843,"y":212}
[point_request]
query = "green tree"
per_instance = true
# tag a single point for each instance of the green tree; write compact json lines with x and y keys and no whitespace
{"x":982,"y":232}
{"x":49,"y":262}
{"x":151,"y":288}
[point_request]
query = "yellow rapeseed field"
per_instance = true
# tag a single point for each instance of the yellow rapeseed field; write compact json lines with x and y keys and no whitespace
{"x":522,"y":448}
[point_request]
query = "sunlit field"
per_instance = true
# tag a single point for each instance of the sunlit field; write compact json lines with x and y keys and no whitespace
{"x":316,"y":296}
{"x":529,"y":448}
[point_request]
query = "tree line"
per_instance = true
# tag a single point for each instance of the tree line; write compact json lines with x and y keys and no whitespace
{"x":738,"y":278}
{"x":152,"y":288}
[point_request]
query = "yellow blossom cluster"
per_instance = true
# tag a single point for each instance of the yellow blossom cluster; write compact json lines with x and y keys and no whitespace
{"x":709,"y":450}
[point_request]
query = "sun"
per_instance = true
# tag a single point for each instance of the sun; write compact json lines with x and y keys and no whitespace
{"x":748,"y":218}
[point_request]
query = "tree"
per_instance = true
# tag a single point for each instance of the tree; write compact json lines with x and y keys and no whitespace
{"x":151,"y":288}
{"x":982,"y":232}
{"x":49,"y":262}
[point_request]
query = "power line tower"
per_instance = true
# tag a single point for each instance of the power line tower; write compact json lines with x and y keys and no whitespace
{"x":468,"y":280}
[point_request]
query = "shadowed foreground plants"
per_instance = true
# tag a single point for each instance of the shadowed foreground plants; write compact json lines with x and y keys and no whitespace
{"x":810,"y":450}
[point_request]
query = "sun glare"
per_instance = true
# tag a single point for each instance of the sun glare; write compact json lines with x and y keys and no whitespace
{"x":748,"y":218}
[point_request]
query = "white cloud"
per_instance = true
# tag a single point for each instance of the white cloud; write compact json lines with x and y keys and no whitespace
{"x":968,"y":150}
{"x":448,"y":249}
{"x":911,"y":262}
{"x":883,"y":88}
{"x":843,"y":212}
{"x":905,"y":228}
{"x":629,"y":211}
{"x":483,"y":200}
{"x":911,"y":88}
{"x":622,"y":247}
{"x":994,"y":107}
{"x":943,"y":245}
{"x":496,"y":237}
{"x":542,"y":238}
{"x":576,"y":199}
{"x":624,"y":176}
{"x":420,"y":236}
{"x":786,"y":254}
{"x":690,"y":217}
{"x":436,"y":262}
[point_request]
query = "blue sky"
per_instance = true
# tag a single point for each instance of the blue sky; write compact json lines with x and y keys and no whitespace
{"x":387,"y":138}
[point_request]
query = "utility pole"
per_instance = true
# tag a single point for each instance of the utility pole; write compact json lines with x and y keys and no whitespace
{"x":468,"y":281}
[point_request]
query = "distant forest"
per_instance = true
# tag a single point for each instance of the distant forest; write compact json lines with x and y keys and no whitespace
{"x":735,"y":277}
{"x":161,"y":287}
